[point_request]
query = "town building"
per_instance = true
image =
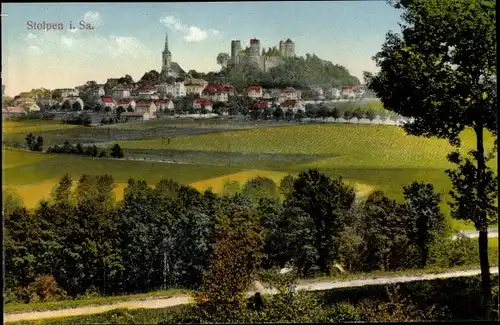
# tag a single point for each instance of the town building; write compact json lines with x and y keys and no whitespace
{"x":164,"y":104}
{"x":147,"y":92}
{"x":289,"y":93}
{"x":292,"y":104}
{"x":107,"y":101}
{"x":12,"y":112}
{"x":121,"y":91}
{"x":67,"y":92}
{"x":215,"y":92}
{"x":194,"y":86}
{"x":126,"y":103}
{"x":147,"y":108}
{"x":200,"y":103}
{"x":254,"y":91}
{"x":169,"y":68}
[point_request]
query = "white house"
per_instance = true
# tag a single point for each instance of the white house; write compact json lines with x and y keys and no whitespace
{"x":67,"y":92}
{"x":126,"y":103}
{"x":146,"y":106}
{"x":164,"y":104}
{"x":318,"y":90}
{"x":195,"y":86}
{"x":165,"y":88}
{"x":179,"y":89}
{"x":24,"y":102}
{"x":147,"y":92}
{"x":215,"y":92}
{"x":107,"y":101}
{"x":254,"y":91}
{"x":229,"y":89}
{"x":98,"y":92}
{"x":335,"y":93}
{"x":289,"y":94}
{"x":200,"y":103}
{"x":121,"y":91}
{"x":32,"y":108}
{"x":292,"y":104}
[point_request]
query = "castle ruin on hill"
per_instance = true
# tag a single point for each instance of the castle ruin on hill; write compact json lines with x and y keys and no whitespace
{"x":266,"y":59}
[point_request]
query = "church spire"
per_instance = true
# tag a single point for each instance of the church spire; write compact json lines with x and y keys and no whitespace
{"x":166,"y":44}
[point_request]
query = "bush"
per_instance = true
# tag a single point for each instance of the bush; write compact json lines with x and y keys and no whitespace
{"x":45,"y":288}
{"x":450,"y":253}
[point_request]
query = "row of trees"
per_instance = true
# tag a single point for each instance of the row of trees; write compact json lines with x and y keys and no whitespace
{"x":93,"y":151}
{"x":167,"y":236}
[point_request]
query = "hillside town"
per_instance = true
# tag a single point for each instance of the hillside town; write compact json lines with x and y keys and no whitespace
{"x":145,"y":99}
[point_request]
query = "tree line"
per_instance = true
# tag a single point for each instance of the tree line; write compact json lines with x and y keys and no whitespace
{"x":168,"y":236}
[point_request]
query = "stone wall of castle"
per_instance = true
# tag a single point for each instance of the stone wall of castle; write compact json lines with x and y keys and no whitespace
{"x":265,"y":63}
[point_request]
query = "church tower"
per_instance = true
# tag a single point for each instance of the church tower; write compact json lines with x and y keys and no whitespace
{"x":166,"y":58}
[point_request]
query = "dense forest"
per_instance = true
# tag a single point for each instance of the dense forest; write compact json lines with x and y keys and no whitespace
{"x":82,"y":241}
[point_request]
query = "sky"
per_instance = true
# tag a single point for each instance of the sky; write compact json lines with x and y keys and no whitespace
{"x":128,"y":38}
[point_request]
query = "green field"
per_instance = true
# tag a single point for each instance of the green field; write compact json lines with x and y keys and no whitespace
{"x":373,"y":156}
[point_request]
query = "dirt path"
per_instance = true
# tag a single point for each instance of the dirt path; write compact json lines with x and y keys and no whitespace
{"x":184,"y":299}
{"x":133,"y":304}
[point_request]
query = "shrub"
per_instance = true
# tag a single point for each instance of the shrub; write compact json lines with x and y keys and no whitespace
{"x":45,"y":288}
{"x":450,"y":253}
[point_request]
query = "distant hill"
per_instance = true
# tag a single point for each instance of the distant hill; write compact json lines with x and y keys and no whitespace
{"x":296,"y":72}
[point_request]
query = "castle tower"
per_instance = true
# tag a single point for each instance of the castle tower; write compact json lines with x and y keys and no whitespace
{"x":166,"y":58}
{"x":289,"y":48}
{"x":254,"y":47}
{"x":235,"y":52}
{"x":282,"y":49}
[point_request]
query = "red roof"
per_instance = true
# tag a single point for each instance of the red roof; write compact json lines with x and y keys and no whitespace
{"x":144,"y":102}
{"x":203,"y":101}
{"x":289,"y":103}
{"x":14,"y":109}
{"x":162,"y":101}
{"x":227,"y":87}
{"x":107,"y":99}
{"x":253,"y":88}
{"x":261,"y":104}
{"x":147,"y":88}
{"x":213,"y":88}
{"x":123,"y":101}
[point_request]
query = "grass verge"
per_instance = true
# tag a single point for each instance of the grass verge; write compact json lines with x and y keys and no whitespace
{"x":91,"y":301}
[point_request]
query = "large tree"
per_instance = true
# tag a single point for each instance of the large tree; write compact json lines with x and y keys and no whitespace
{"x":441,"y":71}
{"x":223,"y":59}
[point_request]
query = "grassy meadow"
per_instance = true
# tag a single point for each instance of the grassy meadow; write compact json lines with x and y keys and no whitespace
{"x":208,"y":153}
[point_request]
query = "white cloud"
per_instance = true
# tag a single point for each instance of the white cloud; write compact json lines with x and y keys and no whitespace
{"x":34,"y":50}
{"x":92,"y":17}
{"x":67,"y":41}
{"x":30,"y":36}
{"x":83,"y":44}
{"x":191,"y":33}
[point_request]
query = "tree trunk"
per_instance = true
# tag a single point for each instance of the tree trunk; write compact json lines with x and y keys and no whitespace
{"x":482,"y":225}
